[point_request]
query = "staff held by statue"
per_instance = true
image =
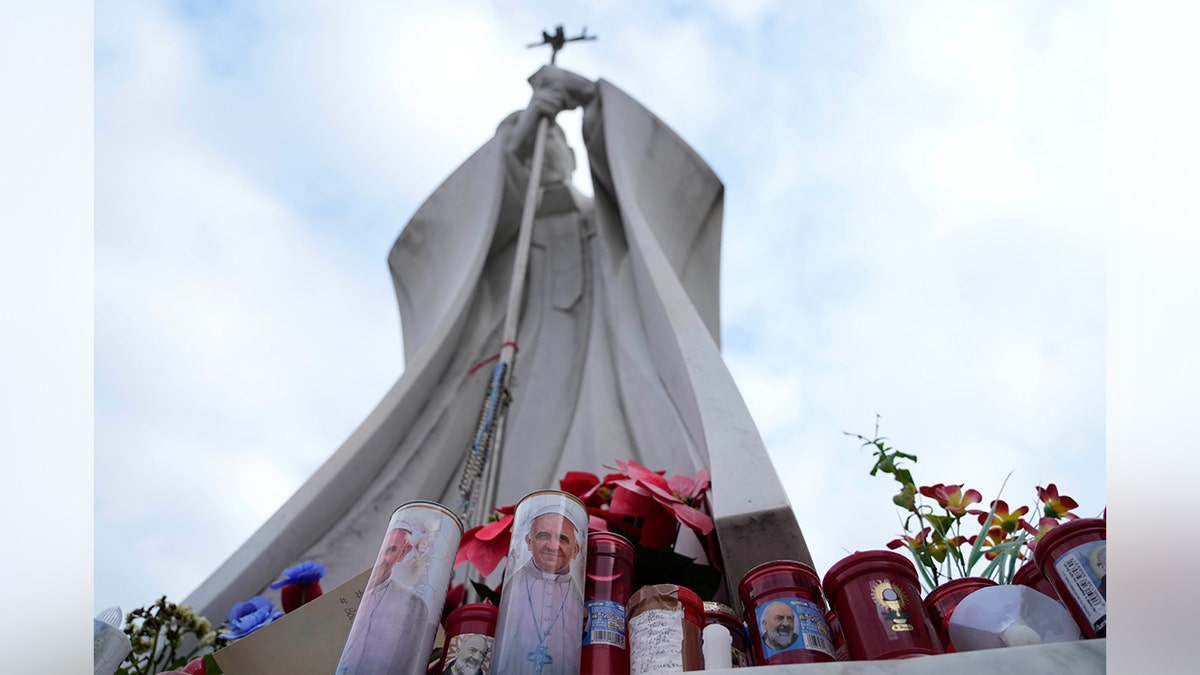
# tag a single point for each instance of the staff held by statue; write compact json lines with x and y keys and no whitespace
{"x":482,"y":471}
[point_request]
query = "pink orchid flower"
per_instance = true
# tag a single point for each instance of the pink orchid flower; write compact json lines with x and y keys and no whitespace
{"x":918,"y":542}
{"x":1044,"y":526}
{"x":1056,"y":506}
{"x":1009,"y":521}
{"x":951,"y":497}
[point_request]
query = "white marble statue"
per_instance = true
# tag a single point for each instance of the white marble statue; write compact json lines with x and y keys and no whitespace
{"x":618,"y":346}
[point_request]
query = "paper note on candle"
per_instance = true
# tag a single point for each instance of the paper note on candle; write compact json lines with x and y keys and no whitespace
{"x":307,"y":641}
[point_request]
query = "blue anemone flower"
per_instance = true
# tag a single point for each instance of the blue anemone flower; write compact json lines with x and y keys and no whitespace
{"x":247,"y":617}
{"x":301,"y":575}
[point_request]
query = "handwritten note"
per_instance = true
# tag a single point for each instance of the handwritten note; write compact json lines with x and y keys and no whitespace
{"x":307,"y":641}
{"x":656,"y":641}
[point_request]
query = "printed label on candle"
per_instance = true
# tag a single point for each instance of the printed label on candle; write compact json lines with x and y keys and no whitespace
{"x":469,"y":653}
{"x":891,"y":599}
{"x":792,"y":623}
{"x":1084,"y":570}
{"x":656,"y":641}
{"x":605,"y":623}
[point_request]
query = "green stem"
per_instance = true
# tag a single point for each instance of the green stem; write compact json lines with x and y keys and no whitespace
{"x":153,"y":650}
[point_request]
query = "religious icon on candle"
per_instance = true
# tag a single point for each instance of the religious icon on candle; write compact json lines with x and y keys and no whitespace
{"x":468,"y":654}
{"x":397,"y":618}
{"x":541,"y":617}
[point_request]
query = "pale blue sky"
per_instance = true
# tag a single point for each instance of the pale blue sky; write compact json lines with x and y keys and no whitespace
{"x":913,"y":226}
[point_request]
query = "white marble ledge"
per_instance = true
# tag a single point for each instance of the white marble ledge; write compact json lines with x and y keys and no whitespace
{"x":1083,"y":656}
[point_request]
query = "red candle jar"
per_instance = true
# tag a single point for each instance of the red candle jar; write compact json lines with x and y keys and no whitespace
{"x":839,"y":641}
{"x":941,"y":601}
{"x":609,"y":583}
{"x":294,"y":596}
{"x":470,"y":630}
{"x":878,"y":601}
{"x":715,"y":612}
{"x":785,"y":612}
{"x":1029,"y":575}
{"x":1072,"y":558}
{"x":665,"y":624}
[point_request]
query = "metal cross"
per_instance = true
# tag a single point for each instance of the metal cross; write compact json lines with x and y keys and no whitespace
{"x":558,"y":40}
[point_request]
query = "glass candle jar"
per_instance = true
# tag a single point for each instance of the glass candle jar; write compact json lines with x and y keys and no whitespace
{"x":835,"y":632}
{"x":470,"y":632}
{"x":540,"y":623}
{"x":609,"y":583}
{"x":785,"y":613}
{"x":941,"y":601}
{"x":1029,"y":575}
{"x":397,"y":619}
{"x":878,"y":601}
{"x":739,"y":648}
{"x":1072,"y":558}
{"x":665,"y":624}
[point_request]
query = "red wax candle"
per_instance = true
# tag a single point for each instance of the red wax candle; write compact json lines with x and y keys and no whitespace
{"x":878,"y":601}
{"x":609,"y":583}
{"x":470,"y":632}
{"x":1072,"y":558}
{"x":941,"y":601}
{"x":785,"y":612}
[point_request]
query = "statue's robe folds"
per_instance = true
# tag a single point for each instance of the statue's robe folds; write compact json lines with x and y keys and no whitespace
{"x":618,"y":355}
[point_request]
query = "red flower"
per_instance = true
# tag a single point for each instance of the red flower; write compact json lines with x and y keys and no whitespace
{"x":592,"y":491}
{"x":675,"y":495}
{"x":1056,"y":506}
{"x":951,"y":497}
{"x":1003,"y":518}
{"x":486,"y":545}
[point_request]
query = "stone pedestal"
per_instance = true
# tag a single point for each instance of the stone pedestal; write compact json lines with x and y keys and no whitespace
{"x":1083,"y":656}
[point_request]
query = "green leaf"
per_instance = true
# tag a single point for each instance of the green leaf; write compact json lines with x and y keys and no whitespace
{"x":921,"y":569}
{"x":975,"y":550}
{"x":1004,"y":550}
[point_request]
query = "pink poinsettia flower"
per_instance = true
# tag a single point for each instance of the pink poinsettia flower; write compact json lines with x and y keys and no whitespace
{"x":644,"y":494}
{"x":1056,"y":506}
{"x":486,"y":545}
{"x":1009,"y":521}
{"x":951,"y":497}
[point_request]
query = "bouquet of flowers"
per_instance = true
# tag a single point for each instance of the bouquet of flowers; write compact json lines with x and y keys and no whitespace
{"x":934,"y":532}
